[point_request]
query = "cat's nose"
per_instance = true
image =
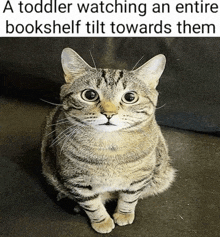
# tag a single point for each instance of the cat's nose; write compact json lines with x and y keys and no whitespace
{"x":108,"y":115}
{"x":108,"y":109}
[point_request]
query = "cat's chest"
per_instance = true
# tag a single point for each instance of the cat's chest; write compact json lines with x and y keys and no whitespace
{"x":110,"y":179}
{"x":109,"y":184}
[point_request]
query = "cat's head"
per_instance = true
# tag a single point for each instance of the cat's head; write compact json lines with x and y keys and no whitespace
{"x":109,"y":99}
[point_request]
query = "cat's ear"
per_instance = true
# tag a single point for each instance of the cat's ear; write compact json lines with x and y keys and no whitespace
{"x":73,"y":65}
{"x":151,"y":71}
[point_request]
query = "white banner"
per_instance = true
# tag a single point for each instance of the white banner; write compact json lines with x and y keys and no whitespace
{"x":109,"y":18}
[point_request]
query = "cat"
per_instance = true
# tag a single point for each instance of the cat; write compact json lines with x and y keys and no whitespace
{"x":103,"y":142}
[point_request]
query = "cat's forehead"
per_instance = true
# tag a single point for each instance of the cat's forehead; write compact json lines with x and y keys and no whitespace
{"x":108,"y":81}
{"x":110,"y":77}
{"x":116,"y":80}
{"x":100,"y":78}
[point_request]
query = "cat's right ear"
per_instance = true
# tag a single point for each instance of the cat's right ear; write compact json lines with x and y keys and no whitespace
{"x":73,"y":65}
{"x":151,"y":71}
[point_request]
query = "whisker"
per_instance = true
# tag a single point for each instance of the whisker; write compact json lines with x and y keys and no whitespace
{"x":66,"y":139}
{"x":61,"y":121}
{"x":57,"y":140}
{"x":92,"y":59}
{"x":58,"y":123}
{"x":137,"y":63}
{"x":67,"y":118}
{"x":60,"y":136}
{"x":161,"y":106}
{"x":64,"y":144}
{"x":69,"y":136}
{"x":50,"y":133}
{"x":51,"y":102}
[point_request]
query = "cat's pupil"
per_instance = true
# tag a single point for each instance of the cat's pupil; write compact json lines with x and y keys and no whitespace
{"x":89,"y":95}
{"x":129,"y":97}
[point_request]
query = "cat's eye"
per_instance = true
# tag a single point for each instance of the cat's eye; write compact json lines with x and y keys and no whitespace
{"x":130,"y":97}
{"x":90,"y":95}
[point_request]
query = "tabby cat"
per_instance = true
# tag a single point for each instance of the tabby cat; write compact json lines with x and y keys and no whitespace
{"x":102,"y":142}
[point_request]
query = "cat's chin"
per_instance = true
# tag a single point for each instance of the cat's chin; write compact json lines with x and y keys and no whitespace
{"x":107,"y":128}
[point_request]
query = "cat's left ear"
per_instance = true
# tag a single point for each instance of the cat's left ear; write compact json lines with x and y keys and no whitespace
{"x":151,"y":71}
{"x":73,"y":65}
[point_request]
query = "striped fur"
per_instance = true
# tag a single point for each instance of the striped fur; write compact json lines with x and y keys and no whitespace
{"x":109,"y":148}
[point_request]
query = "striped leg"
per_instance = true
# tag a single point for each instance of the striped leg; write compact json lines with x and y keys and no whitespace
{"x":100,"y":219}
{"x":128,"y":199}
{"x":91,"y":203}
{"x":124,"y":213}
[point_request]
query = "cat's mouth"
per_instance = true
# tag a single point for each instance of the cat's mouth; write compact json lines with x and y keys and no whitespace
{"x":108,"y":123}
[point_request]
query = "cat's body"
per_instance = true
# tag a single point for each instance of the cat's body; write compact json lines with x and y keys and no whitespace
{"x":104,"y":141}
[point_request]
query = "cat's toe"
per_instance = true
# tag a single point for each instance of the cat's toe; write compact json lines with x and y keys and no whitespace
{"x":105,"y":226}
{"x":123,"y":219}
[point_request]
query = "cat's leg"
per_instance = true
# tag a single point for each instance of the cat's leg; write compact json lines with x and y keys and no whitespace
{"x":100,"y":219}
{"x":128,"y":199}
{"x":91,"y":202}
{"x":125,"y":210}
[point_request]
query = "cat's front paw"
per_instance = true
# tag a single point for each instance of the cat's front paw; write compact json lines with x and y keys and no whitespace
{"x":105,"y":226}
{"x":123,"y":219}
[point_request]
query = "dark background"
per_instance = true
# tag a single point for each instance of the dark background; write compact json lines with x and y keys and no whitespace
{"x":189,"y":87}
